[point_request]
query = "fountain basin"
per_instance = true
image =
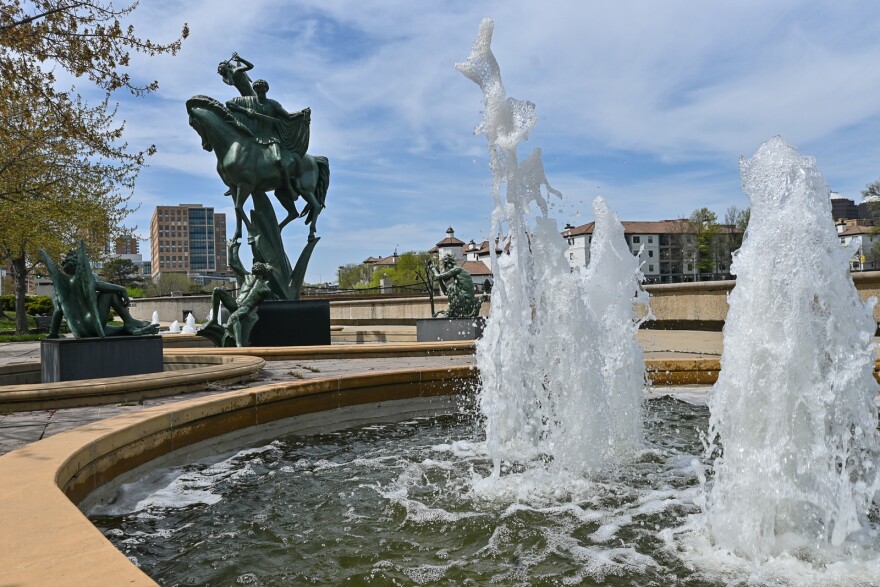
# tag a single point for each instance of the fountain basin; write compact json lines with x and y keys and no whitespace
{"x":46,"y":537}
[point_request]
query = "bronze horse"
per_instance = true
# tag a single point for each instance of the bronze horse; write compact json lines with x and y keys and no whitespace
{"x":246,"y":165}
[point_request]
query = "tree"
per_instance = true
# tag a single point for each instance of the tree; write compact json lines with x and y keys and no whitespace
{"x":872,"y":190}
{"x":354,"y":276}
{"x":738,"y":218}
{"x":57,"y":187}
{"x":425,"y":276}
{"x":404,"y":272}
{"x":735,"y":223}
{"x":169,"y":283}
{"x":63,"y":170}
{"x":704,"y":224}
{"x":122,"y":272}
{"x":86,"y":38}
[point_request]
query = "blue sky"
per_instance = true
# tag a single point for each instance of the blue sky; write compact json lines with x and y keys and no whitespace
{"x":648,"y":104}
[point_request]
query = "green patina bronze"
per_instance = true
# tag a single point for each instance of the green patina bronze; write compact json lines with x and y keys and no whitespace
{"x":253,"y":288}
{"x":85,"y":302}
{"x":459,"y":288}
{"x":261,"y":147}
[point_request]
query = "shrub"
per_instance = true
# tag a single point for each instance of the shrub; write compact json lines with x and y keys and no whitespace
{"x":38,"y":305}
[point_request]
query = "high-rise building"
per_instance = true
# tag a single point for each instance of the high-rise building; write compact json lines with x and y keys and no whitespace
{"x":126,"y":245}
{"x":188,"y":238}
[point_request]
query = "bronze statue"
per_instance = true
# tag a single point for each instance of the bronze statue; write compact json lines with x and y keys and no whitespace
{"x":252,"y":290}
{"x":459,"y":288}
{"x":85,"y":302}
{"x":260,"y":147}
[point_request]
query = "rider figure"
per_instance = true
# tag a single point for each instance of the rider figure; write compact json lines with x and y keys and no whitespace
{"x":269,"y":121}
{"x":236,"y":75}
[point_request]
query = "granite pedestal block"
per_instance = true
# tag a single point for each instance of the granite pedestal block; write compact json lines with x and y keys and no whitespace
{"x":70,"y":359}
{"x":443,"y":329}
{"x":287,"y":323}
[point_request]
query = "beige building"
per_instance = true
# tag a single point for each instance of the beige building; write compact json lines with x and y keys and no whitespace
{"x":190,"y":239}
{"x":667,"y":249}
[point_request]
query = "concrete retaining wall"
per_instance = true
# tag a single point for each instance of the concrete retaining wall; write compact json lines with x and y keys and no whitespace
{"x":701,"y":302}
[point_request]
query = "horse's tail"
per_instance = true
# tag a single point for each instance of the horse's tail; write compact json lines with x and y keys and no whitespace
{"x":323,"y":179}
{"x":321,"y":186}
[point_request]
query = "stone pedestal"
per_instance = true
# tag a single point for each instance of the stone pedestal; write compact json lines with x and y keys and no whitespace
{"x":286,"y":323}
{"x":69,"y":359}
{"x":443,"y":329}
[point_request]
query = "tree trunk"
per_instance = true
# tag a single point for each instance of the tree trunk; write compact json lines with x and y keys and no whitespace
{"x":19,"y":276}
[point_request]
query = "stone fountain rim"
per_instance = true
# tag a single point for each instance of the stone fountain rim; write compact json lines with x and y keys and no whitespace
{"x":46,"y":536}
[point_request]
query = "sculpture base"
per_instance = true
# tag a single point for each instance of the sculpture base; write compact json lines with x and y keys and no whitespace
{"x":69,"y":359}
{"x":288,"y":323}
{"x":443,"y":329}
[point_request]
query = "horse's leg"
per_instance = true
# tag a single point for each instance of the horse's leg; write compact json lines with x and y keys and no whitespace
{"x":307,"y":182}
{"x":242,"y":192}
{"x":287,"y":201}
{"x":238,"y":214}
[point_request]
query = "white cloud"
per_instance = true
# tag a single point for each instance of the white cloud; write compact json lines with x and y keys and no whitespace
{"x":679,"y":89}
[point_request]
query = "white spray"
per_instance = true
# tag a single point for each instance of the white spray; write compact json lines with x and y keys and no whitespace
{"x":793,"y":407}
{"x":562,"y":374}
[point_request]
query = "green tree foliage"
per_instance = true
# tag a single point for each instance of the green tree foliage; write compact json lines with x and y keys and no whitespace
{"x":735,"y":221}
{"x":85,"y":38}
{"x":65,"y":173}
{"x":169,"y":283}
{"x":122,"y":272}
{"x":354,"y":276}
{"x":704,"y":225}
{"x":872,"y":190}
{"x":55,"y":189}
{"x":405,"y":272}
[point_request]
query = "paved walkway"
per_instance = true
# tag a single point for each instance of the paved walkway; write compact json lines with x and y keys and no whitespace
{"x":20,"y":428}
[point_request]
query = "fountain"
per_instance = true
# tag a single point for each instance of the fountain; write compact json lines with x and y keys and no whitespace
{"x":794,"y":405}
{"x":189,"y":325}
{"x":631,"y":492}
{"x":562,"y":373}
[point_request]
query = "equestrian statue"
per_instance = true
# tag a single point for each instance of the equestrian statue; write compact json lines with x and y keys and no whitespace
{"x":261,"y":147}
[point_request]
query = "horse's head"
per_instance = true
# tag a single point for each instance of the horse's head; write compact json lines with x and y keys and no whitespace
{"x":196,"y":122}
{"x":215,"y":124}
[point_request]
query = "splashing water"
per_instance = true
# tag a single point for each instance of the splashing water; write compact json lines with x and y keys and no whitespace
{"x":794,"y":403}
{"x":562,"y":373}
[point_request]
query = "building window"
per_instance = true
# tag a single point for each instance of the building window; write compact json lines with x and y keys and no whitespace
{"x":650,"y":240}
{"x":637,"y":239}
{"x":650,"y":268}
{"x":650,"y":253}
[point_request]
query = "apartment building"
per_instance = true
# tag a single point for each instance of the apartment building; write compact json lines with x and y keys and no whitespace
{"x":668,"y":249}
